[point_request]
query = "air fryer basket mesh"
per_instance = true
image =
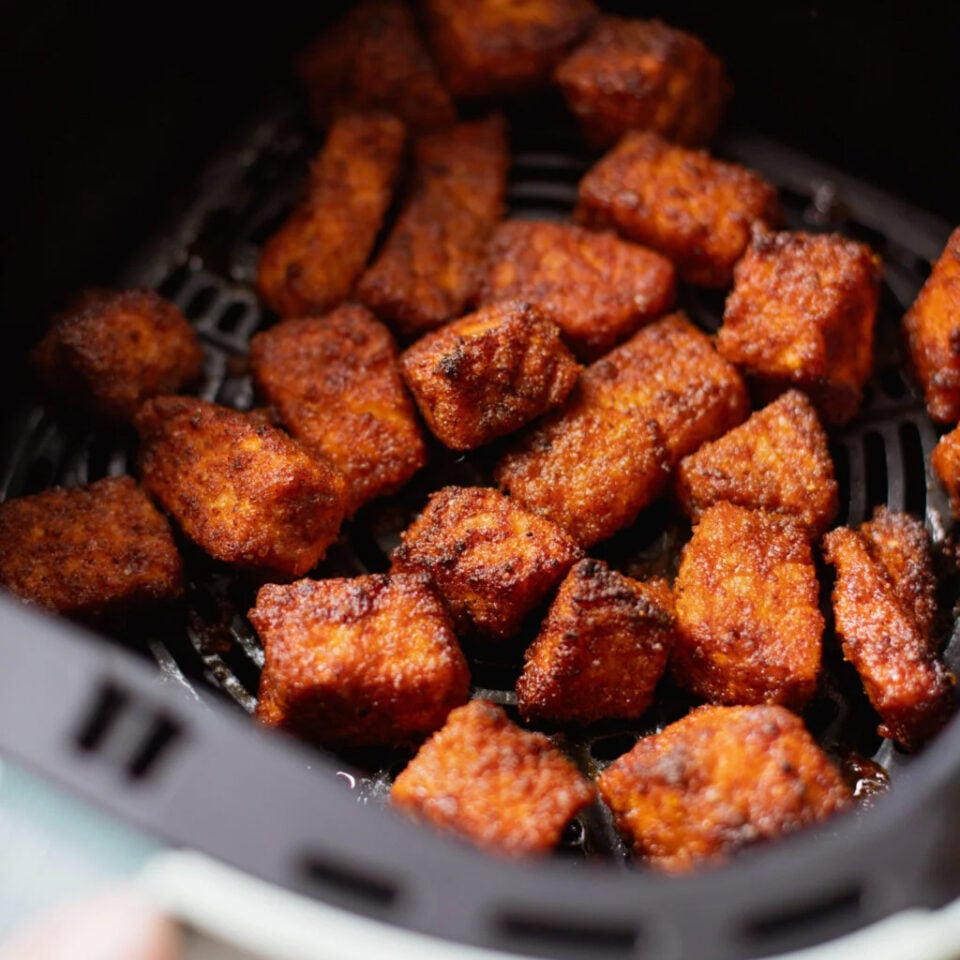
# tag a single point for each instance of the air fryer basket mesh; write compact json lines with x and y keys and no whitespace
{"x":204,"y":260}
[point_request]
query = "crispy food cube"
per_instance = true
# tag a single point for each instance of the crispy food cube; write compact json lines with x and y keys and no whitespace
{"x":802,"y":314}
{"x":502,"y":47}
{"x":718,"y":780}
{"x":373,"y":59}
{"x":490,"y":560}
{"x":97,"y":553}
{"x":694,"y":209}
{"x":945,"y":461}
{"x":884,"y":606}
{"x":644,"y":75}
{"x":243,"y":491}
{"x":111,"y":351}
{"x":932,"y":329}
{"x":488,"y":374}
{"x":596,"y":288}
{"x":747,"y":609}
{"x":357,"y":662}
{"x":594,"y":464}
{"x":601,"y":650}
{"x":335,"y":384}
{"x":313,"y":261}
{"x":778,"y":461}
{"x":430,"y":262}
{"x":509,"y":791}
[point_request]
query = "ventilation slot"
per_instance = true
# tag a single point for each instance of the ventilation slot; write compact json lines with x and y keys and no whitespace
{"x":566,"y":937}
{"x":810,"y":923}
{"x":350,"y":886}
{"x":876,"y":470}
{"x":609,"y":748}
{"x":102,"y":717}
{"x":914,"y":470}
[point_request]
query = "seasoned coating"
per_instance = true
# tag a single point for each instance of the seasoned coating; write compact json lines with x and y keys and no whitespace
{"x":596,"y":288}
{"x":802,"y":314}
{"x":747,"y":609}
{"x":98,"y":553}
{"x":601,"y":650}
{"x":111,"y":351}
{"x":508,"y":791}
{"x":357,"y":662}
{"x":884,"y":606}
{"x":488,"y":374}
{"x":429,"y":264}
{"x":604,"y":456}
{"x":717,"y":780}
{"x":693,"y":209}
{"x":373,"y":59}
{"x":945,"y":461}
{"x":932,"y":330}
{"x":244,"y":491}
{"x":644,"y":75}
{"x":335,"y":384}
{"x":502,"y":47}
{"x":313,"y":261}
{"x":778,"y":461}
{"x":491,"y":561}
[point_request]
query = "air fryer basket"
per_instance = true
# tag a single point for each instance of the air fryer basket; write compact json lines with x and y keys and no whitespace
{"x":181,"y":761}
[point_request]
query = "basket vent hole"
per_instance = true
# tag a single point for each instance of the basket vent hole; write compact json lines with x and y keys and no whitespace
{"x":108,"y":705}
{"x":876,"y":469}
{"x":892,"y":382}
{"x":802,"y":925}
{"x":173,"y":283}
{"x":160,"y":736}
{"x":914,"y":469}
{"x":198,"y":305}
{"x":231,"y":318}
{"x":39,"y":476}
{"x":573,"y":938}
{"x":609,"y":748}
{"x":349,"y":884}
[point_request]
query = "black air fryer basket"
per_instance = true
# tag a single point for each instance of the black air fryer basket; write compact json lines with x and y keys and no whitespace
{"x":152,"y":726}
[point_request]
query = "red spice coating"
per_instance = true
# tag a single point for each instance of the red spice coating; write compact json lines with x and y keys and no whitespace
{"x":932,"y":329}
{"x":335,"y":384}
{"x":778,"y":461}
{"x":802,"y":313}
{"x":357,"y":662}
{"x":945,"y":461}
{"x":884,"y":607}
{"x":373,"y":59}
{"x":111,"y":351}
{"x":244,"y":491}
{"x":693,"y":209}
{"x":98,"y":553}
{"x":717,"y":780}
{"x":312,"y":262}
{"x":642,"y":74}
{"x":596,"y":288}
{"x":428,"y":266}
{"x":488,"y":374}
{"x":601,"y":650}
{"x":747,"y":609}
{"x":491,"y":561}
{"x":508,"y":791}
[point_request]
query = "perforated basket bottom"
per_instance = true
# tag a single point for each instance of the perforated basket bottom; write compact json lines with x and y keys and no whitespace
{"x":204,"y":260}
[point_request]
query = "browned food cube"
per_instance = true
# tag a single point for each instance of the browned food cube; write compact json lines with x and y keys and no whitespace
{"x":373,"y":59}
{"x":491,"y":561}
{"x":244,"y":491}
{"x":111,"y":351}
{"x":778,"y":461}
{"x":98,"y":553}
{"x":357,"y":662}
{"x":596,"y":288}
{"x":508,"y":791}
{"x":502,"y":47}
{"x":747,"y":610}
{"x":884,"y":606}
{"x":642,"y":74}
{"x":599,"y":460}
{"x":488,"y":374}
{"x":313,"y":261}
{"x":601,"y":650}
{"x":932,"y":328}
{"x":945,"y":461}
{"x":429,"y":265}
{"x":694,"y":209}
{"x":802,"y":314}
{"x":335,"y":383}
{"x":717,"y":780}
